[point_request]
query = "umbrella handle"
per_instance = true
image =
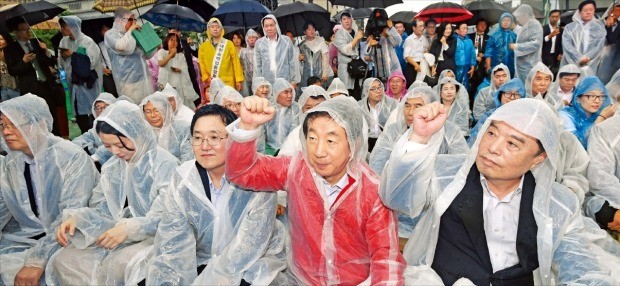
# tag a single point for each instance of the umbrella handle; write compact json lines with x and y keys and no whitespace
{"x":31,"y":30}
{"x":138,"y":10}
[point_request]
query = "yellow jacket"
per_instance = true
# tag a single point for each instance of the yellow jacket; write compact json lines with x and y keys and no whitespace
{"x":230,"y":71}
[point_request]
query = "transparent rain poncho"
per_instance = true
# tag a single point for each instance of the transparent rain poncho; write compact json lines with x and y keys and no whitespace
{"x":227,"y":93}
{"x":174,"y":134}
{"x":459,"y":112}
{"x":337,"y":86}
{"x":581,"y":39}
{"x":240,"y":240}
{"x":425,"y":184}
{"x":292,"y":144}
{"x":81,"y":94}
{"x":575,"y":118}
{"x":551,"y":96}
{"x":528,"y":46}
{"x":604,"y":168}
{"x":346,"y":53}
{"x":384,"y":107}
{"x":63,"y":179}
{"x":127,"y":61}
{"x":316,"y":59}
{"x":336,"y":244}
{"x":484,"y":100}
{"x":182,"y":112}
{"x":139,"y":182}
{"x":90,"y":141}
{"x":285,"y":119}
{"x":453,"y":142}
{"x":497,"y":45}
{"x":613,"y":87}
{"x":180,"y":78}
{"x":276,"y":62}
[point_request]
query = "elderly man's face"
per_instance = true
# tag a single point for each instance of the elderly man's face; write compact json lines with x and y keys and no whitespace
{"x":13,"y":138}
{"x":505,"y":153}
{"x":328,"y":148}
{"x":153,"y":116}
{"x":410,"y":105}
{"x":396,"y":85}
{"x":540,"y":83}
{"x":568,"y":82}
{"x":311,"y":102}
{"x":285,"y":97}
{"x":269,"y":26}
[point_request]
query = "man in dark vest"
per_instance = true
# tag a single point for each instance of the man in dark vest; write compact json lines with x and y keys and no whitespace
{"x":495,"y":216}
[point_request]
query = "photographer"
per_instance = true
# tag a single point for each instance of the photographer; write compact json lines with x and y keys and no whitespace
{"x":381,"y":50}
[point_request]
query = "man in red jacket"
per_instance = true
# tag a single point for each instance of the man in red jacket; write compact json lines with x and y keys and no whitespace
{"x":341,"y":233}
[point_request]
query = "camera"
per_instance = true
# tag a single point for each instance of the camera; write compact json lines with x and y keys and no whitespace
{"x":376,"y":23}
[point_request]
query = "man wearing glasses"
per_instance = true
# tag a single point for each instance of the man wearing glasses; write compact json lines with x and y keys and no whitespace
{"x":127,"y":60}
{"x":225,"y":235}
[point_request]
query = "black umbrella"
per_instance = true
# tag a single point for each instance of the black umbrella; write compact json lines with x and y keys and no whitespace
{"x":356,"y":14}
{"x":491,"y":11}
{"x":366,"y":3}
{"x":292,"y":17}
{"x":204,"y":8}
{"x":241,"y":13}
{"x":403,"y":16}
{"x":175,"y":16}
{"x":32,"y":13}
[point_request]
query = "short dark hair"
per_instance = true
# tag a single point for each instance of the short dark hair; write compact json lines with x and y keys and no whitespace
{"x":499,"y":69}
{"x":541,"y":148}
{"x":586,"y":2}
{"x":415,"y":22}
{"x":312,"y":80}
{"x":170,"y":35}
{"x":223,"y":113}
{"x":563,"y":74}
{"x":312,"y":116}
{"x":62,"y":22}
{"x":554,"y":11}
{"x":346,"y":13}
{"x":309,"y":23}
{"x":481,"y":20}
{"x":431,"y":20}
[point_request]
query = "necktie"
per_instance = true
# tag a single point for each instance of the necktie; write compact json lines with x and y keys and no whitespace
{"x":31,"y":198}
{"x":35,"y":65}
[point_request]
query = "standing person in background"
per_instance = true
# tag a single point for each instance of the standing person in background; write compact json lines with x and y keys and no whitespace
{"x":480,"y":39}
{"x":552,"y":42}
{"x":8,"y":83}
{"x":86,"y":71}
{"x":583,"y":39}
{"x":400,"y":49}
{"x":190,"y":51}
{"x":246,"y":55}
{"x":237,"y":40}
{"x":443,"y":48}
{"x":31,"y":63}
{"x":430,"y":31}
{"x":315,"y":56}
{"x":496,"y":50}
{"x":298,"y":62}
{"x":415,"y":47}
{"x":529,"y":41}
{"x":274,"y":55}
{"x":173,"y":70}
{"x":382,"y":52}
{"x":611,"y":63}
{"x":347,"y":40}
{"x":465,"y":56}
{"x":108,"y":80}
{"x":333,"y":51}
{"x":128,"y":62}
{"x":218,"y":57}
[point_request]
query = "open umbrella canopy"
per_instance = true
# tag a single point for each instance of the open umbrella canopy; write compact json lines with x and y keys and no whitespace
{"x":403,"y":16}
{"x":366,"y":3}
{"x":445,"y":11}
{"x":356,"y":14}
{"x":32,"y":13}
{"x":105,"y":6}
{"x":241,"y":13}
{"x":491,"y":11}
{"x":292,"y":17}
{"x":204,"y":8}
{"x":175,"y":16}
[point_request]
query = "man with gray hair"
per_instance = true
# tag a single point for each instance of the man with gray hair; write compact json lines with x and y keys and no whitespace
{"x":127,"y":60}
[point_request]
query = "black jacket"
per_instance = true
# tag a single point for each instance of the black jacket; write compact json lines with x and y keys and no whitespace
{"x":24,"y":72}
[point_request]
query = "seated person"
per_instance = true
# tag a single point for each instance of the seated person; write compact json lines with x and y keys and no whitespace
{"x":286,"y":117}
{"x":377,"y":107}
{"x":337,"y":88}
{"x":41,"y":177}
{"x":90,"y":141}
{"x":212,"y":231}
{"x":485,"y":99}
{"x":181,"y":111}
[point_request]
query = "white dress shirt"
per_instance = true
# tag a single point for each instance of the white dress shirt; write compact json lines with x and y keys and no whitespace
{"x":375,"y":129}
{"x":552,"y":39}
{"x":216,"y":194}
{"x":415,"y":47}
{"x":568,"y":96}
{"x":501,"y":222}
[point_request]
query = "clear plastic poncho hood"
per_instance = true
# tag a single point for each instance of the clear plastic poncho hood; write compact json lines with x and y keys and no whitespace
{"x":337,"y":86}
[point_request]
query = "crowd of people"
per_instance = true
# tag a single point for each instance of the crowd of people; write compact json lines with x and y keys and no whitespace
{"x":457,"y":158}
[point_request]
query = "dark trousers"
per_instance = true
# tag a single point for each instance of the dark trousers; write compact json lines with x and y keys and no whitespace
{"x":84,"y":122}
{"x":371,"y":144}
{"x":56,"y":102}
{"x":410,"y":74}
{"x":199,"y":269}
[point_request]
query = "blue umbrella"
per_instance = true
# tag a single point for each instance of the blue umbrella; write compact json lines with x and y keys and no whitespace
{"x":175,"y":16}
{"x":241,"y":13}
